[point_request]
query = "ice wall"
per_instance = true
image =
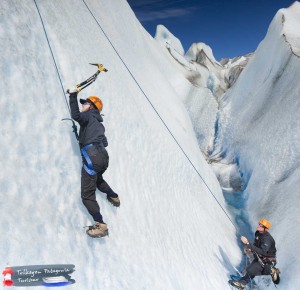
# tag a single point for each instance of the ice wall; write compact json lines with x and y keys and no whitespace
{"x":260,"y":129}
{"x":161,"y":237}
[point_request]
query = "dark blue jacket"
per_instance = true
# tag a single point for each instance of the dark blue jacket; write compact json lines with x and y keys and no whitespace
{"x":91,"y":127}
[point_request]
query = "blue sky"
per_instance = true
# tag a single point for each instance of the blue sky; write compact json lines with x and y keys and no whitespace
{"x":230,"y":27}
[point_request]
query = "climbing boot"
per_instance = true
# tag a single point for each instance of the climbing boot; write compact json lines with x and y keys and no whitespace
{"x":115,"y":201}
{"x":237,"y":284}
{"x":98,"y":230}
{"x":275,"y":275}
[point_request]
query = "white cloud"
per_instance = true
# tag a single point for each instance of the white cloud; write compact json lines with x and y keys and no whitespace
{"x":163,"y":14}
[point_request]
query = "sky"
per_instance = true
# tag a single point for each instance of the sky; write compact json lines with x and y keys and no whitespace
{"x":231,"y":28}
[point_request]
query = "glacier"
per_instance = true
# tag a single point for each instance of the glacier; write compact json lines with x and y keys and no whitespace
{"x":167,"y":117}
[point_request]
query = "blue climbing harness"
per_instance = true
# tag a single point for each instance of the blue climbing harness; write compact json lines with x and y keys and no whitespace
{"x":89,"y":167}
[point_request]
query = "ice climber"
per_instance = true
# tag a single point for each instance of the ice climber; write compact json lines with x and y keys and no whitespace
{"x":92,"y":141}
{"x":264,"y":253}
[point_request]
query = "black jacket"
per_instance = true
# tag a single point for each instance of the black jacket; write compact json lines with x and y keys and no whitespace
{"x":264,"y":245}
{"x":91,"y":127}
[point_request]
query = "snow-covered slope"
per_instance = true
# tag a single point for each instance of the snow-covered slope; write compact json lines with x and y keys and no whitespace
{"x":169,"y":232}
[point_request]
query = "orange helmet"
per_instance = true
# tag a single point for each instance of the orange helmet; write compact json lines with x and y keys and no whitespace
{"x":95,"y":101}
{"x":265,"y":223}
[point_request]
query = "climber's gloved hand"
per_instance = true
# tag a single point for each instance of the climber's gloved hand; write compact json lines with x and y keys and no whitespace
{"x":72,"y":90}
{"x":244,"y":240}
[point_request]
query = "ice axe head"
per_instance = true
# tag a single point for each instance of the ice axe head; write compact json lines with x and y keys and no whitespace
{"x":100,"y":67}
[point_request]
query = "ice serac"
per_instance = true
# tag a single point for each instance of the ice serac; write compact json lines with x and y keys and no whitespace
{"x":259,"y":127}
{"x":163,"y":35}
{"x":199,"y":64}
{"x":202,"y":54}
{"x":234,"y":67}
{"x":206,"y":69}
{"x":217,"y":76}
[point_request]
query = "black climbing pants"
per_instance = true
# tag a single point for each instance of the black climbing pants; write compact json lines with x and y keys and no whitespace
{"x":100,"y":159}
{"x":257,"y":269}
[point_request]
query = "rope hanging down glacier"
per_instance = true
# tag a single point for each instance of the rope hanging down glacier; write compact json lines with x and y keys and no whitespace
{"x":56,"y":67}
{"x":166,"y":126}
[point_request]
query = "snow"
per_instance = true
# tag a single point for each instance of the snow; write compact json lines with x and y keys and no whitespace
{"x":180,"y":130}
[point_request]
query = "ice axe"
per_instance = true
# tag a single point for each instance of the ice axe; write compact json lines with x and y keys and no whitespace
{"x":91,"y":79}
{"x":73,"y":126}
{"x":82,"y":86}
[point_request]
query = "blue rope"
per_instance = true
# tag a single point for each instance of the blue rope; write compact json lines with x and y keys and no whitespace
{"x":56,"y":67}
{"x":159,"y":115}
